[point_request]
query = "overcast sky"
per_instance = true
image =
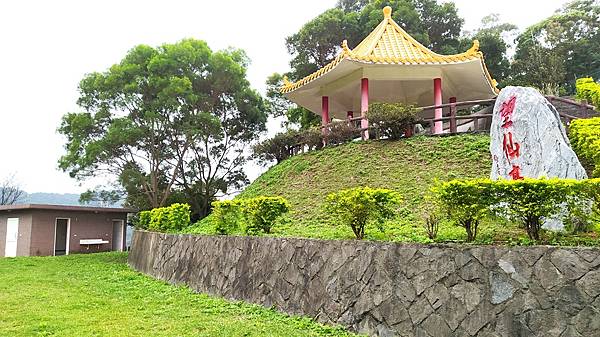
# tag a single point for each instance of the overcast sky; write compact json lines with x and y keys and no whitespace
{"x":48,"y":46}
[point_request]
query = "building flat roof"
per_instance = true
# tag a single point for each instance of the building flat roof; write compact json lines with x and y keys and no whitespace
{"x":67,"y":208}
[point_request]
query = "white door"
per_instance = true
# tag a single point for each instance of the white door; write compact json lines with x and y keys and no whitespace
{"x":117,"y":238}
{"x":12,"y":235}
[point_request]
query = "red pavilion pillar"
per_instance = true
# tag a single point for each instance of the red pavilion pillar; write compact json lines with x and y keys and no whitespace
{"x":437,"y":100}
{"x":364,"y":106}
{"x":324,"y":110}
{"x":324,"y":117}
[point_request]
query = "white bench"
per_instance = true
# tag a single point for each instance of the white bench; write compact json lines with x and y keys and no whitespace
{"x":92,"y":242}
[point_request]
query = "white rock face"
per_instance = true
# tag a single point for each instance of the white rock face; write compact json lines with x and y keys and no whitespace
{"x":528,"y":139}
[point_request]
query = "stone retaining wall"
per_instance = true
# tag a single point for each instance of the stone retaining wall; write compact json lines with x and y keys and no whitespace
{"x":390,"y":289}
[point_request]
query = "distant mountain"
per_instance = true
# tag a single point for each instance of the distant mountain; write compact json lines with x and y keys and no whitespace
{"x":71,"y":199}
{"x":51,"y":198}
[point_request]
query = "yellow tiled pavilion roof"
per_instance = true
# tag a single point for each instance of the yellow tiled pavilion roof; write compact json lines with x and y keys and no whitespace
{"x":388,"y":43}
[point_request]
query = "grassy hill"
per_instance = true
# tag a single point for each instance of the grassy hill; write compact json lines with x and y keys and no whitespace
{"x":408,"y":166}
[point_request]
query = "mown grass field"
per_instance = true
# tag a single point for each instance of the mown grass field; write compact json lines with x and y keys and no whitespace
{"x":409,"y":166}
{"x":99,"y":295}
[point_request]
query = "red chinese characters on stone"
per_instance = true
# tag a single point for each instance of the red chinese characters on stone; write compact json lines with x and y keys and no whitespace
{"x":506,"y":111}
{"x":511,"y":149}
{"x":515,"y":173}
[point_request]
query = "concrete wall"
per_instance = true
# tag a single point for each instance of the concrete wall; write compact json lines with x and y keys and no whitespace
{"x":391,"y":289}
{"x":23,"y":242}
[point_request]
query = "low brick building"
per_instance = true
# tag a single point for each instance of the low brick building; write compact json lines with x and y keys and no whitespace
{"x":46,"y":230}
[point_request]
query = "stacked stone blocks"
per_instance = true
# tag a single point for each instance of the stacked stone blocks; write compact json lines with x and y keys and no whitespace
{"x":389,"y":289}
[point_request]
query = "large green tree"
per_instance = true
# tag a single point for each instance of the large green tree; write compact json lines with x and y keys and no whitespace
{"x":556,"y":51}
{"x":167,"y":122}
{"x":436,"y":25}
{"x":492,"y":35}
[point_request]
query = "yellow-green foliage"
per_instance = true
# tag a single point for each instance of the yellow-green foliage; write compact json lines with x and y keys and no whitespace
{"x":166,"y":219}
{"x":589,"y":90}
{"x":585,"y":139}
{"x":225,"y":216}
{"x":262,"y":212}
{"x":356,"y":207}
{"x":255,"y":215}
{"x":528,"y":201}
{"x":466,"y":202}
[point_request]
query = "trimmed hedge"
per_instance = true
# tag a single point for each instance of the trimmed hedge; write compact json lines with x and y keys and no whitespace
{"x":261,"y":213}
{"x":528,"y":201}
{"x":225,"y":215}
{"x":253,"y":216}
{"x":589,"y":90}
{"x":585,"y":139}
{"x":356,"y":207}
{"x":466,"y":202}
{"x":165,"y":219}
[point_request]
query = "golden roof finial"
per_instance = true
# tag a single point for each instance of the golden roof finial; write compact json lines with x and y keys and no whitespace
{"x":387,"y":12}
{"x":345,"y":46}
{"x":475,"y":47}
{"x":286,"y":81}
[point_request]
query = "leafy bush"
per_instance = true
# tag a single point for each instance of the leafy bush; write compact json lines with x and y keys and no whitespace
{"x":392,"y":120}
{"x":312,"y":139}
{"x":255,"y":215}
{"x":532,"y":200}
{"x":466,"y":202}
{"x":166,"y":219}
{"x":585,"y":139}
{"x":261,"y":213}
{"x":226,"y":216}
{"x":285,"y":144}
{"x":143,"y":220}
{"x":529,"y":201}
{"x":340,"y":133}
{"x":278,"y":148}
{"x":589,"y":90}
{"x":356,"y":207}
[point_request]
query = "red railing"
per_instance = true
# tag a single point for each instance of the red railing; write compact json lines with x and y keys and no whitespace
{"x":454,"y":120}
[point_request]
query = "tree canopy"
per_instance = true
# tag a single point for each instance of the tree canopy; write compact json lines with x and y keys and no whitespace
{"x":493,"y":45}
{"x":556,"y":51}
{"x":166,"y":122}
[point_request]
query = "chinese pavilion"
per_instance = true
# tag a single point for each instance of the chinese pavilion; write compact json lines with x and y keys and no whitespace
{"x":391,"y":66}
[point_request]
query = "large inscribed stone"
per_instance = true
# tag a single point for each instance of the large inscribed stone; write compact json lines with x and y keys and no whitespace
{"x":528,"y":139}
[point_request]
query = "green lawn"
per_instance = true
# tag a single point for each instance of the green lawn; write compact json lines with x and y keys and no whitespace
{"x":99,"y":295}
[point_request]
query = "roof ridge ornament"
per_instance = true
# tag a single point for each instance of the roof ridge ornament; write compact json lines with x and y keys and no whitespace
{"x":345,"y":47}
{"x":475,"y":47}
{"x":387,"y":12}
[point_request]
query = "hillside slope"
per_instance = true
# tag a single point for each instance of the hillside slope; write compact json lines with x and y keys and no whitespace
{"x":408,"y":166}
